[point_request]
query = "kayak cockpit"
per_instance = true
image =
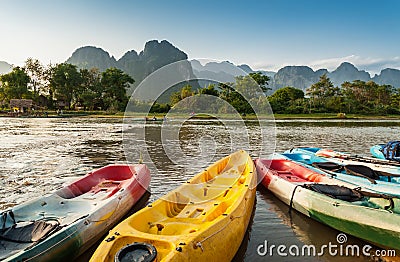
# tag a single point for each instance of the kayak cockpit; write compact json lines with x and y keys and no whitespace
{"x":19,"y":235}
{"x":200,"y":200}
{"x":105,"y":181}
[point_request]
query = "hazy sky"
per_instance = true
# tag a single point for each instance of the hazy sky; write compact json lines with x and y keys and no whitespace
{"x":264,"y":34}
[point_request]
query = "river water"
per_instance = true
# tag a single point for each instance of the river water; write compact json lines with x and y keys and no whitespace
{"x":40,"y":155}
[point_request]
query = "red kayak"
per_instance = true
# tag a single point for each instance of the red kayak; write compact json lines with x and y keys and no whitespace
{"x":282,"y":176}
{"x":64,"y":224}
{"x":109,"y":180}
{"x":288,"y":170}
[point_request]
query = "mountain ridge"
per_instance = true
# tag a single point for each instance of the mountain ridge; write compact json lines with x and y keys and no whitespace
{"x":157,"y":54}
{"x":138,"y":65}
{"x":303,"y":77}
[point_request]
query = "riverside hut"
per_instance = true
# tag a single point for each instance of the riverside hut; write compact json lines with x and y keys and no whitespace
{"x":21,"y":105}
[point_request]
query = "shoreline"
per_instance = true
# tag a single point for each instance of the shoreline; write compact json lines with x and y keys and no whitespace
{"x":316,"y":116}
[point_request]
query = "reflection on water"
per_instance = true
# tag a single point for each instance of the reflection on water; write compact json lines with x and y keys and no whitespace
{"x":39,"y":155}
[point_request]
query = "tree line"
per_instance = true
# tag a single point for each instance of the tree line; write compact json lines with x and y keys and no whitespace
{"x":237,"y":95}
{"x":64,"y":85}
{"x":356,"y":97}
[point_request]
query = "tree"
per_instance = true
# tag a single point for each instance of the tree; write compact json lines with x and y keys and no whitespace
{"x":36,"y":73}
{"x":323,"y":93}
{"x":226,"y":90}
{"x":14,"y":85}
{"x":239,"y":100}
{"x":115,"y":83}
{"x":175,"y":98}
{"x":65,"y":83}
{"x":248,"y":87}
{"x":367,"y":97}
{"x":323,"y":89}
{"x":209,"y":90}
{"x":261,"y":79}
{"x":186,"y":91}
{"x":159,"y":108}
{"x":284,"y":99}
{"x":90,"y":95}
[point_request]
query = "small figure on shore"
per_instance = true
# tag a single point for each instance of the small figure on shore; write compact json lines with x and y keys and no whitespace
{"x":154,"y":118}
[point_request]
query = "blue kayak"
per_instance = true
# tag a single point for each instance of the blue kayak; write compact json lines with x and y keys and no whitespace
{"x":388,"y":167}
{"x":339,"y":171}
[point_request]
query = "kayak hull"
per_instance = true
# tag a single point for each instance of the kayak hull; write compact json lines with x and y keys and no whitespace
{"x":204,"y":219}
{"x":85,"y":210}
{"x":377,"y":226}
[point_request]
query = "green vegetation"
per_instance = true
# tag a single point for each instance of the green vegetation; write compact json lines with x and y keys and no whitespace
{"x":237,"y":95}
{"x":357,"y":97}
{"x":65,"y":86}
{"x":287,"y":100}
{"x":15,"y":85}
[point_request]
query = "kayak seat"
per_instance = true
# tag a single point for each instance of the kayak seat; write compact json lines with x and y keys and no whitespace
{"x":29,"y":231}
{"x":203,"y":213}
{"x":335,"y":191}
{"x":360,"y":170}
{"x":328,"y":166}
{"x":108,"y":186}
{"x":172,"y":228}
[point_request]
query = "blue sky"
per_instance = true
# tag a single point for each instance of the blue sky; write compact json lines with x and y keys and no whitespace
{"x":264,"y":34}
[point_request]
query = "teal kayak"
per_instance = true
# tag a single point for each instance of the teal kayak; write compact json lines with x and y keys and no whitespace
{"x":62,"y":225}
{"x":381,"y":165}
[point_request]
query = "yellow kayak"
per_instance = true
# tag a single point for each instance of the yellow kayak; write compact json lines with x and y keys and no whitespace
{"x":203,"y":219}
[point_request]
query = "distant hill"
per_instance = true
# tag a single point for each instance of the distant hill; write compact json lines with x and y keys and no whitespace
{"x":295,"y":76}
{"x":303,"y":76}
{"x":219,"y":71}
{"x":223,"y":71}
{"x":90,"y":56}
{"x":347,"y":72}
{"x":5,"y":67}
{"x":154,"y":56}
{"x":388,"y":76}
